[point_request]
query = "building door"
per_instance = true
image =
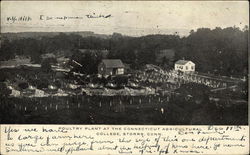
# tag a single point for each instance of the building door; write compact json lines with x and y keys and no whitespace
{"x":114,"y":71}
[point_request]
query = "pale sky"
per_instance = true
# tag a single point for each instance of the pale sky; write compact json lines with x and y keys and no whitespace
{"x":129,"y":18}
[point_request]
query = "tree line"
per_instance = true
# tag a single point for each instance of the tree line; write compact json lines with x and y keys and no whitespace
{"x":222,"y":51}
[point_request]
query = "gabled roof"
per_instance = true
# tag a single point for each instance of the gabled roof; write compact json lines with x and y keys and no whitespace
{"x":113,"y":63}
{"x":182,"y":62}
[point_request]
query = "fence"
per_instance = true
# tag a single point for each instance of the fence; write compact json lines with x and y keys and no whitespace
{"x":84,"y":102}
{"x":175,"y":79}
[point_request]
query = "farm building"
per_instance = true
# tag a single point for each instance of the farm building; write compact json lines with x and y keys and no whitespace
{"x":184,"y":66}
{"x":111,"y":67}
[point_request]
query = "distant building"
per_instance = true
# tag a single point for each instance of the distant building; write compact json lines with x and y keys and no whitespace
{"x":48,"y":55}
{"x":17,"y":61}
{"x":103,"y":53}
{"x":111,"y":67}
{"x":165,"y":56}
{"x":184,"y":66}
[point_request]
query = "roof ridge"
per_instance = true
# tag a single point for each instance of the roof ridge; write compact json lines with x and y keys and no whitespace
{"x":113,"y":62}
{"x":182,"y":62}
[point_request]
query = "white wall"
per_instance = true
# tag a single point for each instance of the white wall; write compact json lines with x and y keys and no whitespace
{"x":120,"y":71}
{"x":185,"y":68}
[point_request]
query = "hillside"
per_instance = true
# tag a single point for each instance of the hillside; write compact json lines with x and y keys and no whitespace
{"x":37,"y":35}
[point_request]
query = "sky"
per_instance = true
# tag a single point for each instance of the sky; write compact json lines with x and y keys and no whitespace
{"x":127,"y":17}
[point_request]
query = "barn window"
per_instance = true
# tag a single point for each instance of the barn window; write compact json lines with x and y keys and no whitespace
{"x":120,"y":71}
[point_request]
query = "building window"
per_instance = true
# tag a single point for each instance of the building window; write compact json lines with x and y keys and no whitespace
{"x":192,"y":67}
{"x":186,"y":67}
{"x":120,"y":71}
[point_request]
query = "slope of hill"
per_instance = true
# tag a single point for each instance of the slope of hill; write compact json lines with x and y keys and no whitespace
{"x":37,"y":35}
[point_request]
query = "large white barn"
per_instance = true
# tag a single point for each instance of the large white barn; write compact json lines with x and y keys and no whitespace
{"x":184,"y":66}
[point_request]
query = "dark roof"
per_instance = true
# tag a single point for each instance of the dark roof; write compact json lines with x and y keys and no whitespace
{"x":113,"y":63}
{"x":181,"y":62}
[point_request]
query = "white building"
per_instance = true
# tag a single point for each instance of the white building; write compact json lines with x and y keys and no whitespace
{"x":184,"y":66}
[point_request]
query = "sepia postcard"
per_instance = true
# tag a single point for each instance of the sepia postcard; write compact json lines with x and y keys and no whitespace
{"x":124,"y":77}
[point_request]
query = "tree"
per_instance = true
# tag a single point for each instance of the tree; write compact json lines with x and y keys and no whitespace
{"x":46,"y":66}
{"x":4,"y":91}
{"x":23,"y":85}
{"x":4,"y":75}
{"x":198,"y":92}
{"x":86,"y":62}
{"x":121,"y":80}
{"x":201,"y":46}
{"x":165,"y":62}
{"x":191,"y":98}
{"x":58,"y":84}
{"x":6,"y":49}
{"x":221,"y":50}
{"x":42,"y":83}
